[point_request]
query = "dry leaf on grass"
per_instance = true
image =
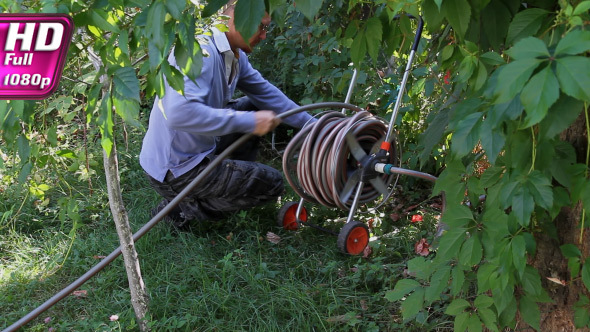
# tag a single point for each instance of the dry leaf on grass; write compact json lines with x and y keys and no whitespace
{"x":80,"y":293}
{"x":273,"y":238}
{"x":422,"y":247}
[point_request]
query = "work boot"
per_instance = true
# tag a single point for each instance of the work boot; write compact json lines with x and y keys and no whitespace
{"x":174,"y":217}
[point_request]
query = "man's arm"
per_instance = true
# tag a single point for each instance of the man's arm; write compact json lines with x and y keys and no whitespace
{"x":265,"y":95}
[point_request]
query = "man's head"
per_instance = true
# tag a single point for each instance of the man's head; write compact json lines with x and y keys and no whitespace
{"x":236,"y":40}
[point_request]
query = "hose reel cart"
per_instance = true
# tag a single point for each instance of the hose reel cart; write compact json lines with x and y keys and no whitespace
{"x":340,"y":162}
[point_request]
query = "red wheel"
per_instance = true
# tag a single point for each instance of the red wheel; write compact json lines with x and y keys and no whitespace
{"x":287,"y":218}
{"x":353,"y":238}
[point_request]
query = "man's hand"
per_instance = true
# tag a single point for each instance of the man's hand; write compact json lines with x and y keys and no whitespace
{"x":266,"y":121}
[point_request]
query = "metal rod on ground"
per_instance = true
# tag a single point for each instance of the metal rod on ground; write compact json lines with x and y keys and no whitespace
{"x":156,"y":219}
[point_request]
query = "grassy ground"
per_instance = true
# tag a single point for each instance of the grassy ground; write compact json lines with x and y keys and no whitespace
{"x":223,"y":276}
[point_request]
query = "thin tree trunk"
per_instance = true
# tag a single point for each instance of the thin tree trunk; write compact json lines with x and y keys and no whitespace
{"x":139,"y":298}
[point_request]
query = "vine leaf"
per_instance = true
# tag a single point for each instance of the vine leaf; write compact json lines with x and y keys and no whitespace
{"x":461,"y":322}
{"x":212,"y":7}
{"x":155,"y":27}
{"x":530,"y":312}
{"x":401,"y":289}
{"x":575,"y":42}
{"x":457,"y":306}
{"x":586,"y":273}
{"x":466,"y":134}
{"x":413,"y":304}
{"x":309,"y":8}
{"x":513,"y":77}
{"x":248,"y":14}
{"x":525,"y":23}
{"x":374,"y":33}
{"x":458,"y":13}
{"x":529,"y":47}
{"x":572,"y":73}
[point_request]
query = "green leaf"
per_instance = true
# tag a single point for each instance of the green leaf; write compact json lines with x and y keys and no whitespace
{"x":126,"y":83}
{"x":447,"y":52}
{"x":582,"y":8}
{"x":573,"y":265}
{"x":98,"y":18}
{"x":529,"y":311}
{"x":531,"y":282}
{"x":155,"y":25}
{"x":518,"y":246}
{"x":540,"y":187}
{"x":560,"y":116}
{"x":471,"y":251}
{"x":212,"y":7}
{"x":491,"y":176}
{"x":374,"y":33}
{"x":483,"y":301}
{"x":492,"y":58}
{"x":461,"y":322}
{"x":489,"y":318}
{"x":247,"y":17}
{"x":492,"y":140}
{"x":570,"y":251}
{"x":413,"y":304}
{"x":458,"y":13}
{"x":358,"y":49}
{"x":456,"y":307}
{"x":175,"y":8}
{"x":466,"y":135}
{"x":105,"y":124}
{"x":586,"y":273}
{"x":525,"y":23}
{"x":529,"y":47}
{"x":189,"y":64}
{"x":128,"y":110}
{"x":457,"y":280}
{"x":575,"y":42}
{"x":573,"y":73}
{"x":433,"y":135}
{"x":523,"y":206}
{"x":431,"y":13}
{"x":481,"y":77}
{"x":401,"y":289}
{"x":540,"y":93}
{"x":513,"y":77}
{"x":457,"y":216}
{"x":420,"y":267}
{"x":474,"y":324}
{"x":582,"y":311}
{"x":173,"y":77}
{"x":450,"y":242}
{"x":484,"y":273}
{"x":438,"y":282}
{"x":24,"y":172}
{"x":24,"y":149}
{"x":309,"y":8}
{"x":466,"y":68}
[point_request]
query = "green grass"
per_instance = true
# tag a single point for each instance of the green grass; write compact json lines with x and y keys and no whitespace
{"x":222,"y":276}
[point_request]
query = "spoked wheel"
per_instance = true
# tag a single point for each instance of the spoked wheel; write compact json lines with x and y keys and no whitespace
{"x":287,"y":216}
{"x":353,"y":238}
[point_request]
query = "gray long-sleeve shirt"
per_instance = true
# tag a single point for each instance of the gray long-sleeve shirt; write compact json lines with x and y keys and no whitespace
{"x":182,"y":129}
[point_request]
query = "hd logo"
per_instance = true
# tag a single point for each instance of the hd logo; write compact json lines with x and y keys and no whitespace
{"x":33,"y":50}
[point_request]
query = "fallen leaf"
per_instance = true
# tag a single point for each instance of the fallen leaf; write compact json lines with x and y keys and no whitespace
{"x":273,"y":238}
{"x":113,"y":318}
{"x":367,"y":252}
{"x":364,"y":306}
{"x":98,"y":257}
{"x":229,"y":236}
{"x":394,"y":216}
{"x":80,"y":293}
{"x":557,"y":281}
{"x":422,"y":247}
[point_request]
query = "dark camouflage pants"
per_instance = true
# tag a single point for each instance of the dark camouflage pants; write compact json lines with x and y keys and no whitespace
{"x":237,"y":183}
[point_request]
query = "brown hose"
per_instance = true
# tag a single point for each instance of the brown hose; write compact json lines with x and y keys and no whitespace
{"x":317,"y":162}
